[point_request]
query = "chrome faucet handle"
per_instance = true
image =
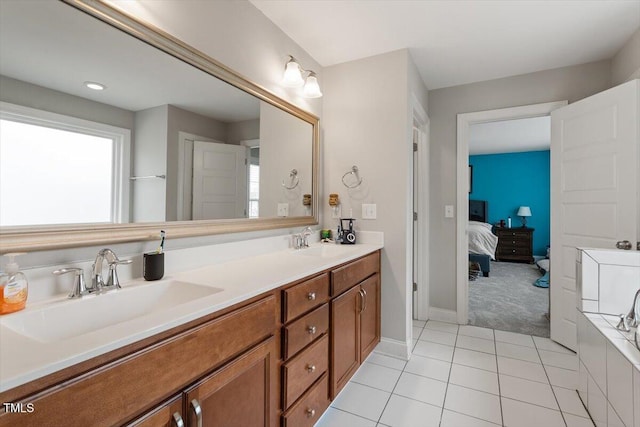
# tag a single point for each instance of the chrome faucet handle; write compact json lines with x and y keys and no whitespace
{"x":623,"y":324}
{"x":112,"y":281}
{"x":79,"y":285}
{"x":633,"y":317}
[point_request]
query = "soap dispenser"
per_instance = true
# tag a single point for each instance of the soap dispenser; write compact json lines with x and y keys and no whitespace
{"x":13,"y":287}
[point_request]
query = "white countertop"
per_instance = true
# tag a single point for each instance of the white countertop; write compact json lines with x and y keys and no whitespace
{"x":23,"y":359}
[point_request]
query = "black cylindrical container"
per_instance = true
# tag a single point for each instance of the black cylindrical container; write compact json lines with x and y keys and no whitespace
{"x":153,"y":266}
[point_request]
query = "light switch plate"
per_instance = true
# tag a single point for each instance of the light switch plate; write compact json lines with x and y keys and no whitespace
{"x":448,"y":211}
{"x":283,"y":209}
{"x":369,"y":211}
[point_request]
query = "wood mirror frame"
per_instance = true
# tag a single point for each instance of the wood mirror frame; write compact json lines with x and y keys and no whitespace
{"x":35,"y":238}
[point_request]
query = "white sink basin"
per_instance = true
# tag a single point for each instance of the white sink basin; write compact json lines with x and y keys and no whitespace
{"x":73,"y":318}
{"x":324,"y":251}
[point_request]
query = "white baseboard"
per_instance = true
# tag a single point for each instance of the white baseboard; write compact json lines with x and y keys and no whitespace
{"x":394,"y":348}
{"x":442,"y":315}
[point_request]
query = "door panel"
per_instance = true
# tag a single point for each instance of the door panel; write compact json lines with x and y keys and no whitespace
{"x":345,"y":343}
{"x":369,"y":318}
{"x":594,"y":184}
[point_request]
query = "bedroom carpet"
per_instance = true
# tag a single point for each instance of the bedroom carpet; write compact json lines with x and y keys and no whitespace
{"x":508,"y":301}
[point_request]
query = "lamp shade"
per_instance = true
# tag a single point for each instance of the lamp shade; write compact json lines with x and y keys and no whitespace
{"x":311,"y":87}
{"x":524,"y":211}
{"x":292,"y":74}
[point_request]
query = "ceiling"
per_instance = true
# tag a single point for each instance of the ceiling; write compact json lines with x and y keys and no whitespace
{"x":458,"y":42}
{"x":510,"y":136}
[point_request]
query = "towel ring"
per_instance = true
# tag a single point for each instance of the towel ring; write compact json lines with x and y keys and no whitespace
{"x":295,"y":180}
{"x":354,"y":172}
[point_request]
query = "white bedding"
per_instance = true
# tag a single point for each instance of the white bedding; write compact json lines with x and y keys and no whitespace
{"x":482,"y":240}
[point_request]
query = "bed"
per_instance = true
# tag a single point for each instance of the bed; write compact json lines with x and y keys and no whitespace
{"x":482,"y":241}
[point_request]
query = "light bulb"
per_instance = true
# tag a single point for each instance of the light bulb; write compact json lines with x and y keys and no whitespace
{"x":292,"y":74}
{"x":311,"y":87}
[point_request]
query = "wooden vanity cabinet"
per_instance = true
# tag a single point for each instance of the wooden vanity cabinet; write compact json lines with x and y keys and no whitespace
{"x":355,"y":317}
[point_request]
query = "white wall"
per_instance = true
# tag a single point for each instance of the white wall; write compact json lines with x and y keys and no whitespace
{"x":625,"y":65}
{"x":241,"y":131}
{"x":285,"y":144}
{"x":367,"y":123}
{"x":568,"y":83}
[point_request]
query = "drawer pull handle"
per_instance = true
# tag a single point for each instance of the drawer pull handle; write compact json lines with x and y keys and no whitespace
{"x":311,"y":296}
{"x":177,"y":420}
{"x":311,"y":330}
{"x":310,"y":413}
{"x":364,"y":299}
{"x":197,"y":410}
{"x":311,"y":368}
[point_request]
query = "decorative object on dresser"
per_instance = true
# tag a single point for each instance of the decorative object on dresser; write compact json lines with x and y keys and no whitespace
{"x":524,"y":212}
{"x":515,"y":244}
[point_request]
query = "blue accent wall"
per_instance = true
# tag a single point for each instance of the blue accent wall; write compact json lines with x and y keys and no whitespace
{"x":508,"y":181}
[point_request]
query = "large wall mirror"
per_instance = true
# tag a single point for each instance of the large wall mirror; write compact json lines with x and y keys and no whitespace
{"x":174,"y":139}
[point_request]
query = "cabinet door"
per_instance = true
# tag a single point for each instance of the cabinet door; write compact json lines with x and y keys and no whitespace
{"x":345,"y":338}
{"x":169,"y":414}
{"x":370,"y":316}
{"x":241,"y":394}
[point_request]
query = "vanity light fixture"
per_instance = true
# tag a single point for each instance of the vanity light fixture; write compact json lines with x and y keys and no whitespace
{"x":95,"y":85}
{"x":293,"y":77}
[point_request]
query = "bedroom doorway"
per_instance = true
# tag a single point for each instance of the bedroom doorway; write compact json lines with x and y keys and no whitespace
{"x":465,"y":188}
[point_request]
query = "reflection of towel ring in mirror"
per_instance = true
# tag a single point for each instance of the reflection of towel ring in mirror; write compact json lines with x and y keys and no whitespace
{"x":295,"y":180}
{"x":354,"y":172}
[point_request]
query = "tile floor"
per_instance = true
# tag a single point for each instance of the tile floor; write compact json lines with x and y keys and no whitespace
{"x":464,"y":377}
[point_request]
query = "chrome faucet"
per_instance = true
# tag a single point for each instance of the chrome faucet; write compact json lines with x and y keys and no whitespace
{"x":79,"y":286}
{"x":97,"y":281}
{"x":632,"y":318}
{"x":301,"y":240}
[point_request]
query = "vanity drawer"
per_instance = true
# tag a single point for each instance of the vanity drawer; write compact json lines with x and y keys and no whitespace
{"x":303,"y":370}
{"x":305,"y":296}
{"x":350,"y":275}
{"x":303,"y":331}
{"x":307,"y":411}
{"x":127,"y":387}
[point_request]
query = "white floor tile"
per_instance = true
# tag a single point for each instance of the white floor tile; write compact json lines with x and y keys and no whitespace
{"x":451,"y":328}
{"x":477,"y":344}
{"x":476,"y":331}
{"x":438,"y":336}
{"x":474,"y":403}
{"x":419,"y":323}
{"x":570,"y":402}
{"x":388,"y":361}
{"x":416,"y":332}
{"x":547,"y":344}
{"x":520,"y":414}
{"x":435,"y":350}
{"x":377,"y":376}
{"x":335,"y":417}
{"x":574,"y":421}
{"x":528,"y":391}
{"x":562,"y":377}
{"x":454,"y":419}
{"x":477,"y":379}
{"x":403,"y":412}
{"x":361,"y":400}
{"x":522,"y":369}
{"x":517,"y":352}
{"x":413,"y":342}
{"x":559,"y":360}
{"x":514,"y":338}
{"x":420,"y":388}
{"x":475,"y":359}
{"x":428,"y":367}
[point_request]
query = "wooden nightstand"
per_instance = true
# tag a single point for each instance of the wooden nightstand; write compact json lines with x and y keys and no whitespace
{"x":514,"y":244}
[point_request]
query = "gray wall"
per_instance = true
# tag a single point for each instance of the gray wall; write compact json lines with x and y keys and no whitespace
{"x":625,"y":65}
{"x":569,"y":83}
{"x":245,"y":130}
{"x":367,"y":123}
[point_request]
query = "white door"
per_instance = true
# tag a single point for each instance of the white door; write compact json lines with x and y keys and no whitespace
{"x":219,"y":181}
{"x":595,"y":157}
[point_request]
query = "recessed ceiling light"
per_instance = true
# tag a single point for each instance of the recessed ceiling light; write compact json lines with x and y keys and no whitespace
{"x":95,"y":86}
